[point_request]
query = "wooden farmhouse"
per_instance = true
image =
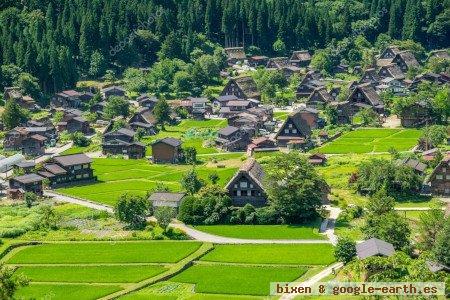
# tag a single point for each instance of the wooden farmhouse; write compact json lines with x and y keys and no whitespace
{"x":246,"y":186}
{"x":242,"y":88}
{"x":167,"y":150}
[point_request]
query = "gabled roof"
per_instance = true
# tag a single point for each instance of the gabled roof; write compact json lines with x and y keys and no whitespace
{"x":228,"y":130}
{"x":73,"y":159}
{"x":248,"y":86}
{"x":369,"y":92}
{"x":302,"y":55}
{"x":166,"y":197}
{"x":253,"y":169}
{"x":374,"y":247}
{"x":243,"y":103}
{"x":301,"y":124}
{"x":394,"y":70}
{"x":113,"y":88}
{"x":226,"y":98}
{"x":169,"y":141}
{"x":279,"y":62}
{"x":235,"y":53}
{"x":409,"y":58}
{"x":322,"y":91}
{"x":38,"y":137}
{"x":415,"y":164}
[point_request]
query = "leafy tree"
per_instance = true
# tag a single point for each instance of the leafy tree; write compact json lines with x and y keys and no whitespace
{"x":190,"y":155}
{"x":345,"y":250}
{"x":322,"y":61}
{"x":13,"y":115}
{"x":80,"y":140}
{"x":164,"y":215}
{"x":369,"y":117}
{"x":133,"y":210}
{"x":442,"y":245}
{"x":294,"y":188}
{"x":279,"y":47}
{"x":49,"y":217}
{"x":29,"y":85}
{"x":30,"y":198}
{"x":97,"y":65}
{"x":435,"y":134}
{"x":182,"y":82}
{"x":116,"y":106}
{"x":10,"y":282}
{"x":382,"y":222}
{"x":162,"y":112}
{"x":140,"y":133}
{"x":191,"y":183}
{"x":110,"y":76}
{"x":430,"y":225}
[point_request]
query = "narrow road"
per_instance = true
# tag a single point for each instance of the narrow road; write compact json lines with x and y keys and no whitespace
{"x":54,"y":151}
{"x":86,"y":203}
{"x":206,"y":237}
{"x":313,"y":280}
{"x":331,"y":223}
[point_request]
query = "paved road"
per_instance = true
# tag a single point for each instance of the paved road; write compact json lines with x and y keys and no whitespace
{"x":414,"y":208}
{"x":206,"y":237}
{"x":331,"y":223}
{"x":313,"y":280}
{"x":86,"y":203}
{"x":53,"y":151}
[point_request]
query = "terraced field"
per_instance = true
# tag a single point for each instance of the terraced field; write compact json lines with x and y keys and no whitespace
{"x":89,"y":270}
{"x":116,"y":176}
{"x":368,"y":140}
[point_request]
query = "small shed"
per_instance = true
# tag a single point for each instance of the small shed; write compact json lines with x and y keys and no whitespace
{"x":374,"y":247}
{"x":166,"y":199}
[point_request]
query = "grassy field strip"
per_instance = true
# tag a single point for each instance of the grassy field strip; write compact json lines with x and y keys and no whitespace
{"x":240,"y":280}
{"x":90,"y":274}
{"x":106,"y":252}
{"x":66,"y":291}
{"x":213,"y":263}
{"x":275,"y":232}
{"x":176,"y":269}
{"x":296,"y":254}
{"x":90,"y":264}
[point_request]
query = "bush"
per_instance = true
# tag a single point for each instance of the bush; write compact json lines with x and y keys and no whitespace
{"x":345,"y":250}
{"x":133,"y":210}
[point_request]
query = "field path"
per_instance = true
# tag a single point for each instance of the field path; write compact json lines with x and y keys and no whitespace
{"x":207,"y":237}
{"x":86,"y":203}
{"x":313,"y":280}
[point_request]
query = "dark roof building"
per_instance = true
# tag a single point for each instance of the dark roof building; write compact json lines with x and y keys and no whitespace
{"x":300,"y":58}
{"x":374,"y":247}
{"x":246,"y":186}
{"x":167,"y":150}
{"x":242,"y":87}
{"x":294,"y":129}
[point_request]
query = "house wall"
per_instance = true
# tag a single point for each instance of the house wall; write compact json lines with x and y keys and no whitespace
{"x":164,"y":153}
{"x":440,"y":183}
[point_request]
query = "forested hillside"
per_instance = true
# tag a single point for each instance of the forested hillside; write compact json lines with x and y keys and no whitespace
{"x":57,"y":41}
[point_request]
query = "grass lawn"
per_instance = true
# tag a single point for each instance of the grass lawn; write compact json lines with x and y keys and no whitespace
{"x":90,"y":274}
{"x":104,"y":252}
{"x":281,"y":115}
{"x":65,"y":291}
{"x":298,"y":254}
{"x":117,"y":176}
{"x":241,"y":280}
{"x":373,"y":140}
{"x":351,"y":229}
{"x":417,"y":201}
{"x":280,"y":232}
{"x":193,"y":133}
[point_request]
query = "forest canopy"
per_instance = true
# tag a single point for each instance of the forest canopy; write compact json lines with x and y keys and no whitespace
{"x":59,"y":41}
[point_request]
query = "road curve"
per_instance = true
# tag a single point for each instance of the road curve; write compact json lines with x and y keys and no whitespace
{"x":211,"y":238}
{"x":63,"y":198}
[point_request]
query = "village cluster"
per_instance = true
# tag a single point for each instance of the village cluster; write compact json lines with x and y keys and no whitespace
{"x":251,"y":124}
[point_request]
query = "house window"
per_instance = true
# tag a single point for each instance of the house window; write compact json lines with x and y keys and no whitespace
{"x":235,"y":186}
{"x":243,"y":184}
{"x":447,"y":177}
{"x":290,"y":125}
{"x":444,"y":170}
{"x":286,"y":131}
{"x":251,"y":185}
{"x":238,"y":193}
{"x":78,"y":177}
{"x":244,"y":193}
{"x":294,"y":130}
{"x":77,"y":167}
{"x":439,"y":177}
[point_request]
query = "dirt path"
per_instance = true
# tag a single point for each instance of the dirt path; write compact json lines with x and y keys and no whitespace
{"x":86,"y":203}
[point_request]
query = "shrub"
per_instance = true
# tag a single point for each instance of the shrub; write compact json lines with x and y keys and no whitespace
{"x":132,"y":209}
{"x":345,"y":250}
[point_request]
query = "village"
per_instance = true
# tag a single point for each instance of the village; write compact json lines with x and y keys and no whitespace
{"x":339,"y":168}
